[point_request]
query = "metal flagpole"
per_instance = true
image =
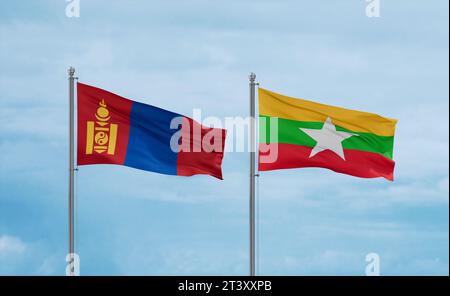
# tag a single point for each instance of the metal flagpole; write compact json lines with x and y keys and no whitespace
{"x":71,"y":73}
{"x":252,"y":78}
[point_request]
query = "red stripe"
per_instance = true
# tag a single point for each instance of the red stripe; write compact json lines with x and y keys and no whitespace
{"x":357,"y":163}
{"x":201,"y":151}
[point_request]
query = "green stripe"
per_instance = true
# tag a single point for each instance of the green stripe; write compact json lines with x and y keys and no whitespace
{"x":289,"y":133}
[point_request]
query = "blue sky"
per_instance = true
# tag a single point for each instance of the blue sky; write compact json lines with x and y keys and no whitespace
{"x":181,"y":55}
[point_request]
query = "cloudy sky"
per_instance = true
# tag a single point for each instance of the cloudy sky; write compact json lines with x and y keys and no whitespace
{"x":181,"y":55}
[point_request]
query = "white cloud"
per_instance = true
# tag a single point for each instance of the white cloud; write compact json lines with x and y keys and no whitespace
{"x":18,"y":257}
{"x":184,"y":258}
{"x":50,"y":265}
{"x":11,"y":245}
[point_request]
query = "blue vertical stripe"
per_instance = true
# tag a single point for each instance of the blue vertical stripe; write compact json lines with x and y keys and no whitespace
{"x":149,"y":140}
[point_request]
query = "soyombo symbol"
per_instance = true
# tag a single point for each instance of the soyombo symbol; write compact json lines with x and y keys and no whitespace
{"x":101,"y":135}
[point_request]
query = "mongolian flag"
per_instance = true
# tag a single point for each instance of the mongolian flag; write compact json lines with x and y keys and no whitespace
{"x":309,"y":134}
{"x":116,"y":130}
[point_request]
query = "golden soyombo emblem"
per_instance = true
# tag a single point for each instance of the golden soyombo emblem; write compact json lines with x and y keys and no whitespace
{"x":101,"y":135}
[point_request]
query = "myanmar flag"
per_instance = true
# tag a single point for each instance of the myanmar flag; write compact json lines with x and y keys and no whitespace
{"x":296,"y":133}
{"x":116,"y":130}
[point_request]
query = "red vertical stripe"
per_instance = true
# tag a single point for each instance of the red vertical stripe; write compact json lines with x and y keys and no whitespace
{"x":202,"y":150}
{"x":118,"y":111}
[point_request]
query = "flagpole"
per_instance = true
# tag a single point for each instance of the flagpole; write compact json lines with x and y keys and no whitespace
{"x":252,"y":78}
{"x":71,"y":73}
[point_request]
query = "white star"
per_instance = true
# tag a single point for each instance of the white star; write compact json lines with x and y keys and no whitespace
{"x":327,"y":138}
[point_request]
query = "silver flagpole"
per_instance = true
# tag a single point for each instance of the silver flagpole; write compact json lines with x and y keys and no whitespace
{"x":71,"y":72}
{"x":252,"y":78}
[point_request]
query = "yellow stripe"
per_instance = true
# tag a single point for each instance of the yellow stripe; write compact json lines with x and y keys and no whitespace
{"x":112,"y":139}
{"x":276,"y":105}
{"x":89,"y":137}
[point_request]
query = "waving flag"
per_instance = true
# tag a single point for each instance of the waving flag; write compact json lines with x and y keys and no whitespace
{"x":315,"y":135}
{"x":116,"y":130}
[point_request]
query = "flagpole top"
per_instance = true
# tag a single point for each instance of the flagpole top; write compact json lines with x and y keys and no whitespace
{"x":252,"y":77}
{"x":71,"y":71}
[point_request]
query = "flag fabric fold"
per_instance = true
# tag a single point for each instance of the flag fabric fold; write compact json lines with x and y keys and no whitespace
{"x":116,"y":130}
